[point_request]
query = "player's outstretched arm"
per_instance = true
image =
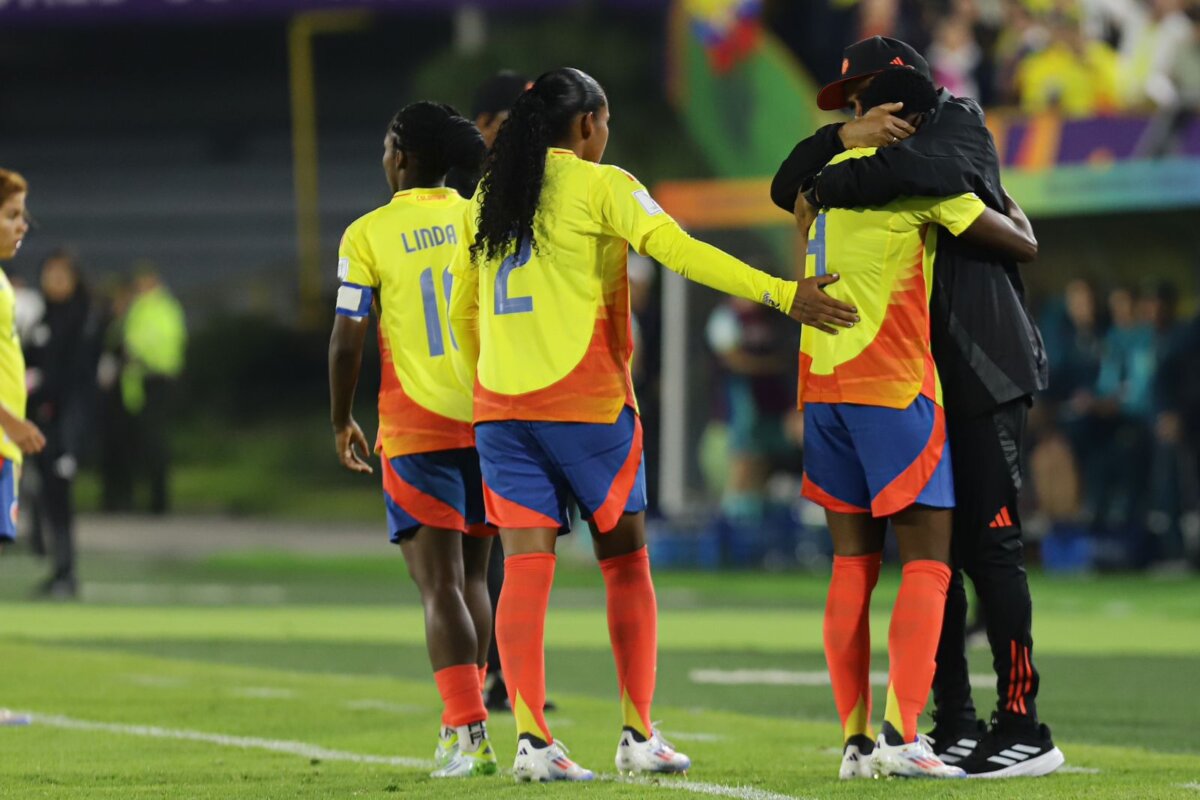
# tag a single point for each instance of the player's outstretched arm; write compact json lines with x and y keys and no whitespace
{"x":23,"y":433}
{"x":1010,"y":234}
{"x":345,"y":359}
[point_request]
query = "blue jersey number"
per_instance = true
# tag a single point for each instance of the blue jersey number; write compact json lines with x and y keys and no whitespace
{"x":504,"y":303}
{"x":433,"y":320}
{"x":816,"y":246}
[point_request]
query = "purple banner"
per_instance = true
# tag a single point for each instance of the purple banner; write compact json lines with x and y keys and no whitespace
{"x":67,"y":12}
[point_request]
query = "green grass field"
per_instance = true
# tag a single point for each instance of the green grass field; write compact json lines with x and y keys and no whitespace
{"x":271,"y":676}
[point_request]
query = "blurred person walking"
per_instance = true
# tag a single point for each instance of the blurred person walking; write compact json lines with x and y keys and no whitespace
{"x":154,"y":341}
{"x":991,"y":361}
{"x":395,"y":260}
{"x":541,"y":308}
{"x":21,"y":437}
{"x":117,"y":455}
{"x":61,"y":359}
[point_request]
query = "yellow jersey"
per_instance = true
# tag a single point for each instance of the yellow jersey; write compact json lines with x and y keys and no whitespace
{"x":885,"y":257}
{"x":12,"y":366}
{"x":398,"y":256}
{"x":552,"y":324}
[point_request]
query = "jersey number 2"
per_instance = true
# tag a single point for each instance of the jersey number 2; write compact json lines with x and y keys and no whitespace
{"x":504,"y":303}
{"x":433,"y":320}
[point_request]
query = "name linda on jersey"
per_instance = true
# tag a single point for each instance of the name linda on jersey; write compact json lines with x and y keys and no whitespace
{"x":425,"y":238}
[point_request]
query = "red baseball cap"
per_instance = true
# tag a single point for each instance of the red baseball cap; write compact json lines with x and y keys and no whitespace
{"x":866,"y":58}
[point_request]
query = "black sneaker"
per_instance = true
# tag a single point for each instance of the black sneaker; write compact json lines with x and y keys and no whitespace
{"x":952,"y":745}
{"x":1014,"y":748}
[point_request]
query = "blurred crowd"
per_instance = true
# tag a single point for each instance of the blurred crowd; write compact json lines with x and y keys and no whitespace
{"x":1117,"y":435}
{"x":99,"y":370}
{"x":1081,"y":58}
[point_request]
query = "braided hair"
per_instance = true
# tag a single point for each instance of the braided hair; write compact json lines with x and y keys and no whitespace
{"x":516,"y":169}
{"x":436,"y":139}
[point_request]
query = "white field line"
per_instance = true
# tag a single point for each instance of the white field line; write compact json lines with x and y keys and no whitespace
{"x":263,"y":693}
{"x":1070,"y":769}
{"x":1194,"y":786}
{"x":385,"y":706}
{"x":306,"y":750}
{"x":783,"y":677}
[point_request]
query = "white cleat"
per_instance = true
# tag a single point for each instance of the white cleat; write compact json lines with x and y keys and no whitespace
{"x":447,"y":746}
{"x":470,"y":755}
{"x":912,"y":760}
{"x":857,"y":759}
{"x":650,"y":756}
{"x":544,"y":764}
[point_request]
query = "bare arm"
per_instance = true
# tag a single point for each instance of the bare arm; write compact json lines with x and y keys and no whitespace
{"x":23,"y":433}
{"x":345,"y":360}
{"x":1010,"y":234}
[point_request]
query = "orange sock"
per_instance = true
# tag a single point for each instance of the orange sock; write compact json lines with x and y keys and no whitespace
{"x":483,"y":677}
{"x":913,"y":641}
{"x":520,"y":635}
{"x":848,"y":639}
{"x":461,"y":701}
{"x":633,"y":631}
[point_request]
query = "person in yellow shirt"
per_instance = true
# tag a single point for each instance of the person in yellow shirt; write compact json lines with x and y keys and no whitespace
{"x":541,"y":310}
{"x":1073,"y":76}
{"x":21,"y":437}
{"x":396,"y":260}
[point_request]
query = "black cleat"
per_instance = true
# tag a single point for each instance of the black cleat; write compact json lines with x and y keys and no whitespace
{"x":954,"y":744}
{"x":1013,"y":748}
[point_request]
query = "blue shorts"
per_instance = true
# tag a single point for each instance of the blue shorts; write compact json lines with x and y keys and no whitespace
{"x":533,"y":470}
{"x":442,"y":489}
{"x":860,"y":459}
{"x":8,"y":500}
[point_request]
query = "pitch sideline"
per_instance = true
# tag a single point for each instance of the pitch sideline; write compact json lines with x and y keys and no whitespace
{"x":308,"y":750}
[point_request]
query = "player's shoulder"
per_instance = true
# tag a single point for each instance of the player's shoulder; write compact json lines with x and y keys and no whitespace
{"x":364,"y":223}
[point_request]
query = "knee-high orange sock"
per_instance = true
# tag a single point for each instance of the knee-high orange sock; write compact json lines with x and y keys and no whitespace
{"x":483,"y":677}
{"x":462,"y":703}
{"x":912,"y":643}
{"x":633,"y":631}
{"x":848,"y":639}
{"x":520,"y":635}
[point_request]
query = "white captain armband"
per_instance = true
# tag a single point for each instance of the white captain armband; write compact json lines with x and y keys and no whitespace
{"x":354,"y":301}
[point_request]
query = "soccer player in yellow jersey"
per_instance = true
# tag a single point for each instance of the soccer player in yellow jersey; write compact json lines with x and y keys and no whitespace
{"x":21,"y":437}
{"x":396,"y":259}
{"x":541,"y":295}
{"x":875,"y":445}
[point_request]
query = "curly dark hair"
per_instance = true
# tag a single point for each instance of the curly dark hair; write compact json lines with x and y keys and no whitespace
{"x":516,"y":169}
{"x":437,"y":139}
{"x":901,"y":85}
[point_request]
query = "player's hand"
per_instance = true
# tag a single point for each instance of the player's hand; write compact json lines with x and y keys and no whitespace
{"x":879,"y":127}
{"x":25,"y":435}
{"x":815,"y":308}
{"x":350,"y":441}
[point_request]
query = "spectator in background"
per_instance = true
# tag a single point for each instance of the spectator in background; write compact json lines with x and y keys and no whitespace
{"x":155,"y":337}
{"x":1152,"y":44}
{"x":1021,"y":35}
{"x":1074,"y":76}
{"x":1074,"y":335}
{"x":758,"y":389}
{"x":60,"y":359}
{"x":954,"y":56}
{"x":489,"y":109}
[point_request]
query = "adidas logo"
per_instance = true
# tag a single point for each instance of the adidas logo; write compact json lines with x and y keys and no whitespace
{"x":1015,"y":754}
{"x":898,"y":61}
{"x":1003,"y":519}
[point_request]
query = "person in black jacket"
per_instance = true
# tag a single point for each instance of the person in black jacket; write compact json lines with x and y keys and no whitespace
{"x":991,"y":361}
{"x":61,"y":363}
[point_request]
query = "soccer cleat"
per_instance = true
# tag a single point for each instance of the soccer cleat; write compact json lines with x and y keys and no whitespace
{"x":857,"y":758}
{"x":8,"y":718}
{"x":1014,"y":748}
{"x":911,"y":760}
{"x":953,"y":747}
{"x":447,"y":746}
{"x":546,"y":763}
{"x":636,"y":754}
{"x":471,"y":753}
